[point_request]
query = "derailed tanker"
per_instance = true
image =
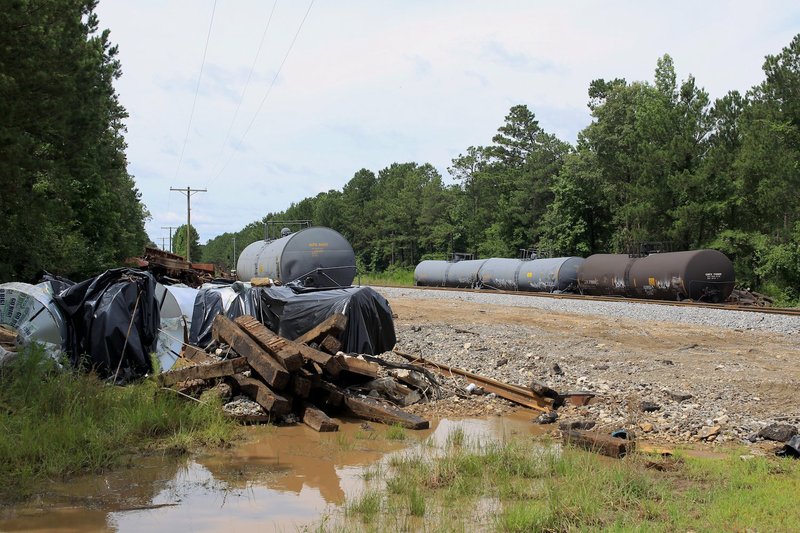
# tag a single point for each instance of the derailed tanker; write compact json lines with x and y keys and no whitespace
{"x":315,"y":257}
{"x":697,"y":275}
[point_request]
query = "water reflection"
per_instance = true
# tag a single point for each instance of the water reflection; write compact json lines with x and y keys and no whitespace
{"x":281,"y":479}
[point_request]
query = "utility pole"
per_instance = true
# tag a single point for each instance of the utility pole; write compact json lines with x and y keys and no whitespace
{"x":162,"y":242}
{"x":234,"y":252}
{"x":188,"y":192}
{"x":170,"y":228}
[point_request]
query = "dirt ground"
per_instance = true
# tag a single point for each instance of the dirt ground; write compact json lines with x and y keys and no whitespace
{"x":739,"y":380}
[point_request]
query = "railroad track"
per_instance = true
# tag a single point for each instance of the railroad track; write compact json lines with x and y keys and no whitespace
{"x":686,"y":303}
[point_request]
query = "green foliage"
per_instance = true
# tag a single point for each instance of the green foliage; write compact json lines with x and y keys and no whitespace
{"x":528,"y":485}
{"x":58,"y":423}
{"x":659,"y":162}
{"x":179,"y":243}
{"x":68,"y":202}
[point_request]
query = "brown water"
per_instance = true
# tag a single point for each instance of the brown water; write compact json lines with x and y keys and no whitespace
{"x":280,"y":479}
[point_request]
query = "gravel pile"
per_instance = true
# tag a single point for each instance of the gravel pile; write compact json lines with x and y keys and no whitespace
{"x":789,"y":325}
{"x":667,"y":384}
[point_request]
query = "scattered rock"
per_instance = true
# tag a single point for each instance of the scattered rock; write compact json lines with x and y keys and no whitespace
{"x":501,"y":362}
{"x":647,"y":427}
{"x":791,"y":448}
{"x":601,"y":367}
{"x":547,"y":418}
{"x":778,"y":432}
{"x":679,"y":396}
{"x":708,"y":433}
{"x":543,"y":390}
{"x":556,"y":370}
{"x":649,"y":407}
{"x":366,"y":426}
{"x":577,"y":424}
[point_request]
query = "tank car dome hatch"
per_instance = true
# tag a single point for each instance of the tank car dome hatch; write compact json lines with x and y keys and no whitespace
{"x":315,"y":256}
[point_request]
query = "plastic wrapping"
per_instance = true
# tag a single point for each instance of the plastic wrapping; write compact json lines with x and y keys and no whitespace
{"x":99,"y":312}
{"x":213,"y":299}
{"x":370,"y":327}
{"x":175,"y":304}
{"x":31,"y":312}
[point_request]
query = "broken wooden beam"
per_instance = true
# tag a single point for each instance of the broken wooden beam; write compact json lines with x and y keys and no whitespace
{"x":262,"y":395}
{"x":598,"y":442}
{"x":359,"y":366}
{"x":330,"y":344}
{"x":278,"y":343}
{"x":272,"y":343}
{"x":273,"y":373}
{"x":219,"y":369}
{"x":301,"y":386}
{"x":334,"y":325}
{"x":371,"y":409}
{"x":328,"y":394}
{"x":316,"y":419}
{"x":510,"y":392}
{"x":196,"y":355}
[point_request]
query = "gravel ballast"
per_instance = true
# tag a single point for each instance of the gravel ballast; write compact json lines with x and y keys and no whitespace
{"x":721,"y":318}
{"x":669,"y":374}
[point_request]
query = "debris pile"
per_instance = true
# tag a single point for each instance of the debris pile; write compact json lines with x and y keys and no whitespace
{"x":272,"y":378}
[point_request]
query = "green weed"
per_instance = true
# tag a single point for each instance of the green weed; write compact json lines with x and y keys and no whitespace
{"x":56,"y":423}
{"x":395,"y":433}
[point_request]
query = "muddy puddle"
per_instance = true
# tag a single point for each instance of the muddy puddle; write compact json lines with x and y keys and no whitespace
{"x":279,"y":479}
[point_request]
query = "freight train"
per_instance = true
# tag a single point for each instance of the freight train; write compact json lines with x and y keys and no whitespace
{"x":701,"y":275}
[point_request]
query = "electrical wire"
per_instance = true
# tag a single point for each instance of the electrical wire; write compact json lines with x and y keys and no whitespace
{"x":247,"y":82}
{"x":266,"y":95}
{"x":197,"y":89}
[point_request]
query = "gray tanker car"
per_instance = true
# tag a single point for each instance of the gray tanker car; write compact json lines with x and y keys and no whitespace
{"x":705,"y":275}
{"x":536,"y":275}
{"x":315,"y":257}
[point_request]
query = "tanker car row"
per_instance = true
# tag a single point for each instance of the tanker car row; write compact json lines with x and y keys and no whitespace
{"x":700,"y":275}
{"x":320,"y":257}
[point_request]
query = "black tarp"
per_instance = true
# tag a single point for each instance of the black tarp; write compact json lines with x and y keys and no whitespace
{"x":98,"y":312}
{"x":57,"y":283}
{"x":209,"y":303}
{"x":370,"y":327}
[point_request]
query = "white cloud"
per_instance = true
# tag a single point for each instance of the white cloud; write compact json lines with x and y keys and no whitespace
{"x":371,"y":83}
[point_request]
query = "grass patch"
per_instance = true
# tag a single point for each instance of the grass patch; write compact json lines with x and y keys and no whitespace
{"x":366,"y":507}
{"x":397,"y":276}
{"x":54,"y":424}
{"x":538,"y":486}
{"x":396,"y":433}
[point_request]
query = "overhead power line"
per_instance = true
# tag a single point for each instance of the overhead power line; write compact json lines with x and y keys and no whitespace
{"x":266,"y":95}
{"x":247,"y":82}
{"x":197,"y":89}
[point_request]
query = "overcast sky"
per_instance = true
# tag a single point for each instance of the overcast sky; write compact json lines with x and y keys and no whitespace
{"x":369,"y":83}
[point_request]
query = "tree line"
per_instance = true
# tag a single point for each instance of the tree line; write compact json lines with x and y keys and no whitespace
{"x":660,"y":161}
{"x":67,"y":202}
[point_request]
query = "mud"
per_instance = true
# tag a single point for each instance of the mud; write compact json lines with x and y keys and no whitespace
{"x":280,"y":479}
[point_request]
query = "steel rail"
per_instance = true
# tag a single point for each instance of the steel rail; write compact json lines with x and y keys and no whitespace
{"x":788,"y":311}
{"x":510,"y":392}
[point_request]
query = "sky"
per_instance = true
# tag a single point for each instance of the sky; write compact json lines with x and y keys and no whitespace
{"x":283,"y":100}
